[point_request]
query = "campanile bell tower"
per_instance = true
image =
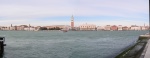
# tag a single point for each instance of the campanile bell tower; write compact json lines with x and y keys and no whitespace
{"x":72,"y":22}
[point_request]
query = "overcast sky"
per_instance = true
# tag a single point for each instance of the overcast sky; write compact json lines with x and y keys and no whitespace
{"x":59,"y":12}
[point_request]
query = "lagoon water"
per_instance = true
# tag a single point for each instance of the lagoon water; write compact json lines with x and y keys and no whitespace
{"x":72,"y":44}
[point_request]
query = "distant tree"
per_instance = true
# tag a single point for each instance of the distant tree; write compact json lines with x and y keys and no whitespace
{"x":51,"y":29}
{"x":55,"y":28}
{"x":43,"y":28}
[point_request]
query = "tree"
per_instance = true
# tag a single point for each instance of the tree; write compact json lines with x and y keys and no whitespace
{"x":43,"y":28}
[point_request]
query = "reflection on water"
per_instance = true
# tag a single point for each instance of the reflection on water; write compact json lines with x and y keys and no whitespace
{"x":72,"y":44}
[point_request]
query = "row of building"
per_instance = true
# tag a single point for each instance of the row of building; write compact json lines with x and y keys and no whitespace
{"x":83,"y":27}
{"x":33,"y":28}
{"x":120,"y":27}
{"x":107,"y":27}
{"x":112,"y":27}
{"x":21,"y":27}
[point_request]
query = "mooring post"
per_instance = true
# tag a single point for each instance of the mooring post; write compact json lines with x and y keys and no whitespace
{"x":2,"y":40}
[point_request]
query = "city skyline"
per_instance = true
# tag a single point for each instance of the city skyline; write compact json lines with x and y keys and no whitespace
{"x":55,"y":12}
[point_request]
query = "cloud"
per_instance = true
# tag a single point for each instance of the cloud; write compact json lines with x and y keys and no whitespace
{"x":17,"y":11}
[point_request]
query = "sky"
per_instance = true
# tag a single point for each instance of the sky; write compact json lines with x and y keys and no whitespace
{"x":59,"y":12}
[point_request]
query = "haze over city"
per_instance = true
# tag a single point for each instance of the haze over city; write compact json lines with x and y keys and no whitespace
{"x":59,"y":12}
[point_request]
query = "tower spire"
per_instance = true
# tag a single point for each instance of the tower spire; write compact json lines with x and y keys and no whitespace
{"x":72,"y":22}
{"x":72,"y":18}
{"x":11,"y":25}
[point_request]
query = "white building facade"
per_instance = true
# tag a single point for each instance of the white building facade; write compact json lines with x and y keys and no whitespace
{"x":29,"y":29}
{"x":100,"y":28}
{"x":135,"y":28}
{"x":85,"y":27}
{"x":120,"y":27}
{"x":107,"y":27}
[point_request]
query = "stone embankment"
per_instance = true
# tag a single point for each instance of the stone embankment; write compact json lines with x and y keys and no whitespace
{"x":138,"y":50}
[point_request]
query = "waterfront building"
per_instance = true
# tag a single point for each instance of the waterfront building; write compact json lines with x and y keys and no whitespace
{"x":60,"y":26}
{"x":107,"y":27}
{"x":11,"y":27}
{"x":125,"y":28}
{"x":77,"y":28}
{"x":37,"y":28}
{"x":134,"y":27}
{"x":147,"y":27}
{"x":114,"y":28}
{"x":86,"y":26}
{"x":29,"y":28}
{"x":49,"y":27}
{"x":100,"y":28}
{"x":5,"y":28}
{"x":21,"y":27}
{"x":66,"y":27}
{"x":143,"y":28}
{"x":14,"y":28}
{"x":120,"y":27}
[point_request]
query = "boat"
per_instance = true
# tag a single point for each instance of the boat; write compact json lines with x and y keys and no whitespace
{"x":65,"y":29}
{"x":145,"y":35}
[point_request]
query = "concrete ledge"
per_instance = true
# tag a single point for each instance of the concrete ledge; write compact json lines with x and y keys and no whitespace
{"x":135,"y":51}
{"x":146,"y":52}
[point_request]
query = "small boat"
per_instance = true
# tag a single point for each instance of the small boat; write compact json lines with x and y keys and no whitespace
{"x":65,"y":29}
{"x":147,"y":34}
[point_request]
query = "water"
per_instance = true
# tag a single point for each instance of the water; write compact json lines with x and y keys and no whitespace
{"x":72,"y":44}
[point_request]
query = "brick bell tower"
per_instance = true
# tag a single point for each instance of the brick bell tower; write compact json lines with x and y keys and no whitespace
{"x":72,"y":22}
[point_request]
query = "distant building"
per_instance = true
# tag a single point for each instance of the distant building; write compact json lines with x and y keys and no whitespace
{"x":120,"y":27}
{"x":87,"y":27}
{"x":125,"y":28}
{"x":5,"y":28}
{"x":21,"y":27}
{"x":100,"y":28}
{"x":143,"y":28}
{"x":77,"y":28}
{"x":29,"y":29}
{"x":114,"y":28}
{"x":134,"y":27}
{"x":60,"y":26}
{"x":49,"y":27}
{"x":147,"y":27}
{"x":37,"y":28}
{"x":14,"y":28}
{"x":107,"y":27}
